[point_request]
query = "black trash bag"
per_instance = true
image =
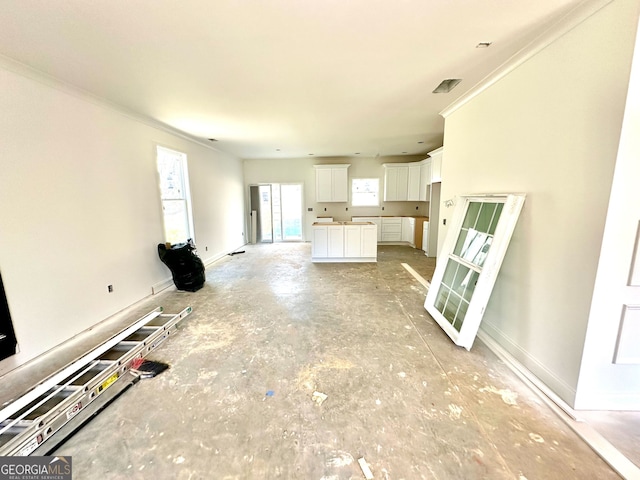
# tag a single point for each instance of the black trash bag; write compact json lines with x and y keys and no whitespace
{"x":186,"y":267}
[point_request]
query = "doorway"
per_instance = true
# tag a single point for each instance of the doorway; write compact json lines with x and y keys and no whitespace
{"x":276,"y":212}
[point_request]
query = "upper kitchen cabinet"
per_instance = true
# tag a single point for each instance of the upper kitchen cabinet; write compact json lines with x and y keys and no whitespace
{"x":332,"y":183}
{"x":425,"y":180}
{"x":406,"y":181}
{"x":436,"y":165}
{"x":396,"y":182}
{"x":413,"y":188}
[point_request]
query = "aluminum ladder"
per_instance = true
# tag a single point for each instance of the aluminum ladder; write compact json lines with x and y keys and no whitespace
{"x":42,"y":418}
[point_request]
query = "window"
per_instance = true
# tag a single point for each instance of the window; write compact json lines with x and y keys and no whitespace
{"x":364,"y":192}
{"x":471,"y":258}
{"x":174,"y":193}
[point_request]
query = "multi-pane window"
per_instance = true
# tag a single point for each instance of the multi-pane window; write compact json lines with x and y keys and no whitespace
{"x":471,"y":257}
{"x":174,"y":193}
{"x":364,"y":192}
{"x":465,"y":263}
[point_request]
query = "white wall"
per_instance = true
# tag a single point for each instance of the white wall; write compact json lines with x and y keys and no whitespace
{"x":300,"y":170}
{"x":550,"y":129}
{"x":80,"y":208}
{"x":604,"y":384}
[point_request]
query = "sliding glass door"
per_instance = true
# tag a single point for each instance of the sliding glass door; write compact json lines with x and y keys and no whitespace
{"x":278,"y":210}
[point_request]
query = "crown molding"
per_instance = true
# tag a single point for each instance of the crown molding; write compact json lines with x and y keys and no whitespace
{"x":19,"y":68}
{"x":564,"y":25}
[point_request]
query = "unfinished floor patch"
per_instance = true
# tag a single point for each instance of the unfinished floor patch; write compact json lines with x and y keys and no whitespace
{"x":308,"y":375}
{"x":340,"y":459}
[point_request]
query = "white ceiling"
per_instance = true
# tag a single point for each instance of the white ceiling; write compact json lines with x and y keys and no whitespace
{"x":278,"y":78}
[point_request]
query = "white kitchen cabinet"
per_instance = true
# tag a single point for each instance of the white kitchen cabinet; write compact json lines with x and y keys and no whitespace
{"x":403,"y":184}
{"x":369,"y":241}
{"x":320,"y":241}
{"x":425,"y":238}
{"x":408,"y":229}
{"x":407,"y":181}
{"x":391,"y":229}
{"x":413,"y":185}
{"x":376,"y":220}
{"x":396,"y":182}
{"x":436,"y":165}
{"x":332,"y":183}
{"x":425,"y":179}
{"x":344,"y":242}
{"x":352,"y":240}
{"x":335,"y":241}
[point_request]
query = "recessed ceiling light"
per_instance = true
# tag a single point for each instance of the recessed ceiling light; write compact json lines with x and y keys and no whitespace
{"x":311,"y":154}
{"x":404,"y":152}
{"x":277,"y":149}
{"x":357,"y":153}
{"x":447,"y":85}
{"x":420,"y":142}
{"x":213,"y":139}
{"x":483,"y":44}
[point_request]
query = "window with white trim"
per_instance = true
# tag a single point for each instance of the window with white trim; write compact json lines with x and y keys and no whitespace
{"x":365,"y":192}
{"x":174,"y":193}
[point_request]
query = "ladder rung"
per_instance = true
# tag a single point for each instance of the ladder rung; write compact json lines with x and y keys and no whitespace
{"x":29,"y":421}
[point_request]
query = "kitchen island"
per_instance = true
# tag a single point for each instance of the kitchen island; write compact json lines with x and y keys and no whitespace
{"x":344,"y":242}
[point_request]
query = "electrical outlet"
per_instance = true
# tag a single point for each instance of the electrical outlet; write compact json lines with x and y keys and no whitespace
{"x":110,"y":288}
{"x":347,"y":209}
{"x":206,"y":249}
{"x":444,"y":221}
{"x":310,"y":209}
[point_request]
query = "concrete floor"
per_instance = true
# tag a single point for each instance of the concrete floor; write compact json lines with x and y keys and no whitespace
{"x":267,"y":330}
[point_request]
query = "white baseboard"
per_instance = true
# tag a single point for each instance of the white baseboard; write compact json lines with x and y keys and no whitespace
{"x":213,"y":259}
{"x":160,"y":286}
{"x":529,"y":365}
{"x":168,"y":282}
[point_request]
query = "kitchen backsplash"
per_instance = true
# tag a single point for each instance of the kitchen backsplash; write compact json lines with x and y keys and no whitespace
{"x":343,"y":212}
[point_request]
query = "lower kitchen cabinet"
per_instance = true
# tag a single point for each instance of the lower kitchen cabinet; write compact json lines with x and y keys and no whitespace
{"x":369,"y":241}
{"x":344,"y":242}
{"x":391,"y":229}
{"x":398,"y":230}
{"x":336,"y":241}
{"x":319,"y":241}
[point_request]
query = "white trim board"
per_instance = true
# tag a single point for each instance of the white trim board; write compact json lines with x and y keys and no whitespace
{"x":417,"y":276}
{"x":534,"y":369}
{"x":162,"y":285}
{"x":567,"y":23}
{"x":27,"y":71}
{"x":208,"y":262}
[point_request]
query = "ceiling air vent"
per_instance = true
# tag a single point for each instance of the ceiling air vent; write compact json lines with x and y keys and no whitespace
{"x":447,"y":85}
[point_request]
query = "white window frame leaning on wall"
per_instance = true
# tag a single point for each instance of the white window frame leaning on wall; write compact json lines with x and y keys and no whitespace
{"x":175,"y":195}
{"x":471,"y":258}
{"x":365,"y":192}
